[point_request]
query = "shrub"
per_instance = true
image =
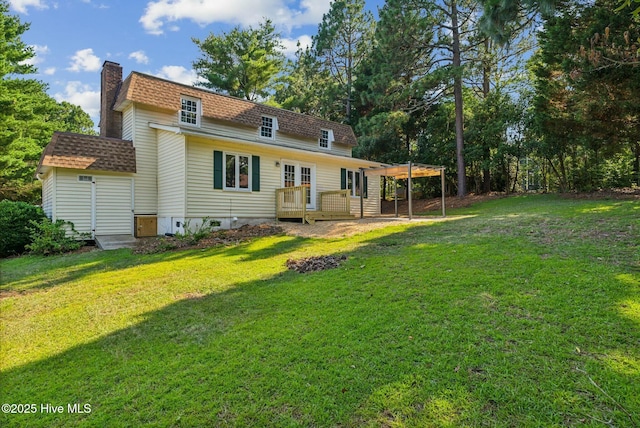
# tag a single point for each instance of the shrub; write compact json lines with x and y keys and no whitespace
{"x":53,"y":237}
{"x":196,"y":233}
{"x":15,"y":218}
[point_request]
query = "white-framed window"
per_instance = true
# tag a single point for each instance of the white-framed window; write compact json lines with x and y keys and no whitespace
{"x":268,"y":127}
{"x":237,"y":171}
{"x":189,"y":111}
{"x":353,"y":183}
{"x":326,"y":138}
{"x":85,"y":178}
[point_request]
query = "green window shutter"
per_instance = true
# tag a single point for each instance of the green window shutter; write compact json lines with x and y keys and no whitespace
{"x":343,"y":178}
{"x":217,"y":169}
{"x":255,"y":171}
{"x":366,"y":187}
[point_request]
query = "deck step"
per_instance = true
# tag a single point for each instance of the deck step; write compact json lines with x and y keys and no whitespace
{"x":313,"y":216}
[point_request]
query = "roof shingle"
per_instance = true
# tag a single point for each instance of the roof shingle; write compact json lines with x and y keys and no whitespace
{"x":89,"y":152}
{"x":153,"y":91}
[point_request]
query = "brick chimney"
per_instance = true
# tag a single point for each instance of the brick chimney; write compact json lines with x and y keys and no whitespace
{"x":110,"y":120}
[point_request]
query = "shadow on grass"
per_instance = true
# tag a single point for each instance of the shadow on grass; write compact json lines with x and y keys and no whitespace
{"x":54,"y":271}
{"x":402,"y":333}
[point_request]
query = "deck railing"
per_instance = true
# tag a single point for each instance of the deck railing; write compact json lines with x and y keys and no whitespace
{"x":291,"y":202}
{"x":335,"y":201}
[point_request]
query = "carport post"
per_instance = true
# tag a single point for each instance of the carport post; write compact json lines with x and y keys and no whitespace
{"x":442,"y":185}
{"x":410,"y":191}
{"x":395,"y":193}
{"x":361,"y":192}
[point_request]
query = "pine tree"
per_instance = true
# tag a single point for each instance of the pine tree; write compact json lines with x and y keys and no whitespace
{"x":342,"y":43}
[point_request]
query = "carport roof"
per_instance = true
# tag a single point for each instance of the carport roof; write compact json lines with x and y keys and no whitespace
{"x":402,"y":170}
{"x":88,"y":152}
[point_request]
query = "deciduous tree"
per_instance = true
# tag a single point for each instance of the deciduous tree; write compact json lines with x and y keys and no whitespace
{"x":243,"y":63}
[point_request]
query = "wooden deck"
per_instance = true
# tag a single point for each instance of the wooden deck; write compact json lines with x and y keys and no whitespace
{"x":291,"y":203}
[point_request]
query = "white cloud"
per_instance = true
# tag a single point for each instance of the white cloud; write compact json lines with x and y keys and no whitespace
{"x":81,"y":94}
{"x":49,"y":71}
{"x":39,"y":51}
{"x":243,"y":12}
{"x":84,"y":60}
{"x":140,"y":57}
{"x":178,"y":74}
{"x":291,"y":45}
{"x":21,"y":6}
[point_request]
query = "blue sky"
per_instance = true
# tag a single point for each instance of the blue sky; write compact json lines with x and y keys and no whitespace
{"x":72,"y":38}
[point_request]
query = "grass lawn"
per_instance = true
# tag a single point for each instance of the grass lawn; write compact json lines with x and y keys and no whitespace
{"x":522,"y":311}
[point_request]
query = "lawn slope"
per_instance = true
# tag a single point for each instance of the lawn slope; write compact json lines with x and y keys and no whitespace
{"x":522,"y":311}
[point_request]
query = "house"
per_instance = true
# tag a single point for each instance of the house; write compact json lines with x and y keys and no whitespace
{"x":169,"y":153}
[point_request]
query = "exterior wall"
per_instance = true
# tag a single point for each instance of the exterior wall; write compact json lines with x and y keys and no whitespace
{"x":171,"y":181}
{"x":146,"y":144}
{"x":113,"y":204}
{"x":128,"y":120}
{"x":203,"y":200}
{"x":162,"y":159}
{"x":73,"y":198}
{"x":48,"y":193}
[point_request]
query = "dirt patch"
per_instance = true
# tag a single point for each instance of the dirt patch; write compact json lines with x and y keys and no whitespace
{"x":215,"y":239}
{"x":435,"y":204}
{"x":626,"y":193}
{"x":314,"y":264}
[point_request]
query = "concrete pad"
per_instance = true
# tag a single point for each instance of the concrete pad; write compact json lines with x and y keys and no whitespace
{"x":114,"y":242}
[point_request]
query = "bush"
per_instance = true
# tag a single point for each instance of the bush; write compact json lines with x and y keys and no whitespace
{"x":196,"y":233}
{"x":51,"y":238}
{"x":15,"y":223}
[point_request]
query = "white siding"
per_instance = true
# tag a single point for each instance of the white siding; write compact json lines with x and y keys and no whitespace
{"x":203,"y":200}
{"x":73,"y":199}
{"x":113,"y":205}
{"x":371,"y":204}
{"x":171,"y":174}
{"x":128,"y":119}
{"x":48,"y":193}
{"x":145,"y":142}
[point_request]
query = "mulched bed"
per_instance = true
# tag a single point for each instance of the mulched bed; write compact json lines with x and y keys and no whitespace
{"x":215,"y":239}
{"x":313,"y":264}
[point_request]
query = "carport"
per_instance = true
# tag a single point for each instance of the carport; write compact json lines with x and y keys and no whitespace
{"x":406,"y":171}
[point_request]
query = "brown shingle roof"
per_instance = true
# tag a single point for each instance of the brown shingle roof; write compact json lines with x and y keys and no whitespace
{"x":89,"y":152}
{"x":153,"y":91}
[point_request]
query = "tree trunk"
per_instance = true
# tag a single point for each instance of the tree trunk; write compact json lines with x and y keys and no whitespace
{"x":457,"y":96}
{"x":486,"y":88}
{"x":636,"y":163}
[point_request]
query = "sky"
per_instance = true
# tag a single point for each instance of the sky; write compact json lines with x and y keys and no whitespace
{"x":73,"y":38}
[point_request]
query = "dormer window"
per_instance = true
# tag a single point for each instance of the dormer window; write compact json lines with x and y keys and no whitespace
{"x":190,"y":111}
{"x":326,"y":138}
{"x":268,"y":127}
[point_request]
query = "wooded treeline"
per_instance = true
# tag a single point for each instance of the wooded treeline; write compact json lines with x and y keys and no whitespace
{"x":510,"y":96}
{"x":28,"y":116}
{"x":546,"y":100}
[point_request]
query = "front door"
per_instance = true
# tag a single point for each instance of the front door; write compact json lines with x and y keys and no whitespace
{"x":300,"y":174}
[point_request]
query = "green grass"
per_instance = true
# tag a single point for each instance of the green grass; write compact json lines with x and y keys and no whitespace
{"x":522,"y":311}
